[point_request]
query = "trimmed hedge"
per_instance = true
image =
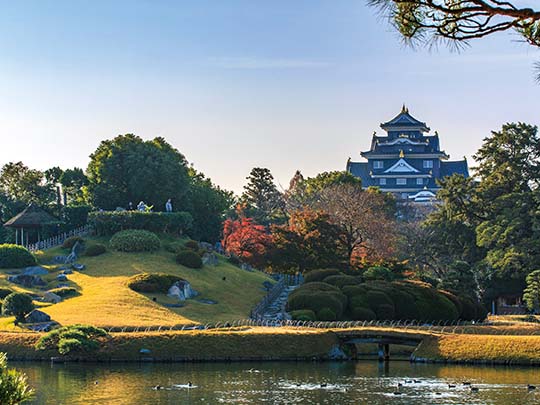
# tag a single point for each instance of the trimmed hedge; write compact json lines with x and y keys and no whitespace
{"x":152,"y":283}
{"x":189,"y":259}
{"x":192,"y":244}
{"x":135,"y":240}
{"x":320,"y":275}
{"x":340,"y":280}
{"x":95,"y":249}
{"x":111,"y":222}
{"x":64,"y":291}
{"x":363,"y":314}
{"x":326,"y":314}
{"x":379,"y":273}
{"x":173,"y":247}
{"x":17,"y":304}
{"x":304,"y":315}
{"x":317,"y":300}
{"x":70,"y":242}
{"x":15,"y":256}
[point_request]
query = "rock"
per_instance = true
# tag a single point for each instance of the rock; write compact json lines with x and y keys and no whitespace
{"x":37,"y":316}
{"x":182,"y":291}
{"x":210,"y":259}
{"x":78,"y":266}
{"x":145,"y":351}
{"x":67,"y":271}
{"x":246,"y":267}
{"x":43,"y":327}
{"x":336,"y":353}
{"x":61,"y":277}
{"x":51,"y":297}
{"x":207,"y":301}
{"x":27,"y":280}
{"x":206,"y":246}
{"x":35,"y":271}
{"x":267,"y":285}
{"x":59,"y":259}
{"x":60,"y":285}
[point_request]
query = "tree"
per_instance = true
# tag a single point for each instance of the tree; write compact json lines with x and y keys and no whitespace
{"x":364,"y":217}
{"x":14,"y":388}
{"x":73,"y":181}
{"x":261,"y":197}
{"x":17,"y":304}
{"x":531,"y":295}
{"x":208,"y":205}
{"x":457,"y":22}
{"x":247,"y":240}
{"x":309,"y":241}
{"x":128,"y":169}
{"x":22,"y":184}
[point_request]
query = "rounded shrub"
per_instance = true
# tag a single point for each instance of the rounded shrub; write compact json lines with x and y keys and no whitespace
{"x":173,"y":247}
{"x":354,"y":290}
{"x":377,"y":298}
{"x":378,"y":273}
{"x":70,"y":242}
{"x":362,"y":314}
{"x":320,"y":275}
{"x":326,"y":314}
{"x":189,"y":259}
{"x":152,"y":283}
{"x":303,"y":315}
{"x":95,"y":249}
{"x":4,"y":292}
{"x":192,"y":245}
{"x":17,"y":304}
{"x":341,"y":280}
{"x":317,"y":300}
{"x":385,"y":312}
{"x":15,"y":256}
{"x":64,"y":291}
{"x":316,"y":286}
{"x":135,"y":240}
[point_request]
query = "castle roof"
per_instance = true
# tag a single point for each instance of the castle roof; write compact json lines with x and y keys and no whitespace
{"x":405,"y":120}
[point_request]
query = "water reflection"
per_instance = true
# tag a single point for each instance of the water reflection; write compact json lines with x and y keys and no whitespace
{"x":280,"y":383}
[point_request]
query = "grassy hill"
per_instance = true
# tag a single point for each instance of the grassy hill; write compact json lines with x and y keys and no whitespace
{"x":105,"y":300}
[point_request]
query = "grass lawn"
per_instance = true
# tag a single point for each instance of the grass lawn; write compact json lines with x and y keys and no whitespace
{"x":105,"y":300}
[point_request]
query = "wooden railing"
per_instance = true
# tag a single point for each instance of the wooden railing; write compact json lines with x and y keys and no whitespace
{"x":59,"y":239}
{"x":284,"y":281}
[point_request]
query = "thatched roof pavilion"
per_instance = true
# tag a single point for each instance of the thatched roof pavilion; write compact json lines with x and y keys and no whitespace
{"x":32,"y":217}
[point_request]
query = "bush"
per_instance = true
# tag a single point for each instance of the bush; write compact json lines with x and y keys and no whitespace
{"x":95,"y":249}
{"x":174,"y":247}
{"x":111,"y":222}
{"x":14,"y":388}
{"x":379,"y":273}
{"x":4,"y":292}
{"x":303,"y":315}
{"x":70,"y":242}
{"x":133,"y":240}
{"x":317,"y":300}
{"x":64,"y":291}
{"x":385,"y":312}
{"x":354,"y":290}
{"x":326,"y":314}
{"x":189,"y":259}
{"x":72,"y":339}
{"x":341,"y":280}
{"x":315,"y":286}
{"x":234,"y":260}
{"x":152,"y":283}
{"x":192,"y":245}
{"x":76,"y":216}
{"x":377,"y":298}
{"x":320,"y":275}
{"x":363,"y":314}
{"x":17,"y":304}
{"x":15,"y":256}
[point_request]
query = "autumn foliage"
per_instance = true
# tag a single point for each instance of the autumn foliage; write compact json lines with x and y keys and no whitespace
{"x":247,"y":240}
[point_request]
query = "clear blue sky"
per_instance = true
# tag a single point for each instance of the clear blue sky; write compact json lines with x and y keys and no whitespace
{"x":235,"y":84}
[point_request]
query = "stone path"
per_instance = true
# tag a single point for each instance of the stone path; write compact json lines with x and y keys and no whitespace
{"x":276,"y":310}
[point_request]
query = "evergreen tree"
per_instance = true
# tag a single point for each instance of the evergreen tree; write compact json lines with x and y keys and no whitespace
{"x":531,"y":295}
{"x":261,"y":198}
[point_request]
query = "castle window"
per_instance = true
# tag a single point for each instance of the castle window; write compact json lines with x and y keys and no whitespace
{"x":419,"y":181}
{"x":401,"y":182}
{"x":378,"y":164}
{"x":382,"y":182}
{"x":428,"y":164}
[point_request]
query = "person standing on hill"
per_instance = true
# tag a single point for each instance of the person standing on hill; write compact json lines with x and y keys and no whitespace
{"x":168,"y":206}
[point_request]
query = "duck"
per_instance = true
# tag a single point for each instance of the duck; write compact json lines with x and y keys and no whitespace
{"x":451,"y":386}
{"x":474,"y":389}
{"x":323,"y":385}
{"x":96,"y":382}
{"x":157,"y":387}
{"x":400,"y":385}
{"x":466,"y":383}
{"x":189,"y":384}
{"x":417,"y":381}
{"x":397,"y":393}
{"x":438,"y":393}
{"x":531,"y":387}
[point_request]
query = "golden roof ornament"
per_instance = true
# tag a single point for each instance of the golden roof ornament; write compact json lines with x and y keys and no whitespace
{"x":401,"y":154}
{"x":404,"y":110}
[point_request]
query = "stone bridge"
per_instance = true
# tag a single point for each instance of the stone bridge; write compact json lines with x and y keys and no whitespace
{"x":350,"y":338}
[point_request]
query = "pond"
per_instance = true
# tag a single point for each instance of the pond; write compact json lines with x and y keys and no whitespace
{"x":279,"y":383}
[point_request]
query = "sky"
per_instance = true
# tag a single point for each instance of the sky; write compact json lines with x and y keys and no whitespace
{"x":237,"y":84}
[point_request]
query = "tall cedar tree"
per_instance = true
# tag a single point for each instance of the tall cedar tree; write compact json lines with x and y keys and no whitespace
{"x":262,"y":200}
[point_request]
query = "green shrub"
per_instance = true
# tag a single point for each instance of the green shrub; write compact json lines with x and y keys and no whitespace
{"x":317,"y":300}
{"x":173,"y":247}
{"x":4,"y":292}
{"x":15,"y":256}
{"x":189,"y":259}
{"x":379,"y":273}
{"x":14,"y":388}
{"x":453,"y":299}
{"x":319,"y":275}
{"x":358,"y":301}
{"x":111,"y":222}
{"x":354,"y":290}
{"x":70,"y":242}
{"x":377,"y":298}
{"x":234,"y":260}
{"x":95,"y":249}
{"x":192,"y":245}
{"x":152,"y":283}
{"x":72,"y":339}
{"x":75,"y":216}
{"x":64,"y":291}
{"x":362,"y":314}
{"x":326,"y":314}
{"x":385,"y":312}
{"x":17,"y":304}
{"x":341,"y":280}
{"x":135,"y":240}
{"x":315,"y":286}
{"x":303,"y":315}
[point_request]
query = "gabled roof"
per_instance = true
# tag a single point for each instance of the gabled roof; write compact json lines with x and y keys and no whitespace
{"x":31,"y":217}
{"x":401,"y":166}
{"x":455,"y":167}
{"x":405,"y":120}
